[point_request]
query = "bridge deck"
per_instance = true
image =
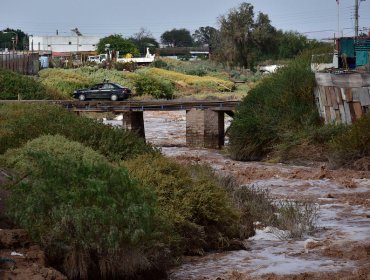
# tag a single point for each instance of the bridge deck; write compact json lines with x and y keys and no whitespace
{"x":124,"y":106}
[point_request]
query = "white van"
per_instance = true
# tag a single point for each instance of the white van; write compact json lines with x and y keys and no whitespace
{"x":97,"y":58}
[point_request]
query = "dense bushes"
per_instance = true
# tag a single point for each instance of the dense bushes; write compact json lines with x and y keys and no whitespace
{"x":352,"y":144}
{"x":86,"y":213}
{"x":156,"y":82}
{"x":20,"y":123}
{"x":13,"y":84}
{"x":193,"y":200}
{"x":64,"y":81}
{"x":206,"y":83}
{"x":197,"y":68}
{"x":96,"y":219}
{"x":154,"y":86}
{"x":283,"y":102}
{"x":279,"y":119}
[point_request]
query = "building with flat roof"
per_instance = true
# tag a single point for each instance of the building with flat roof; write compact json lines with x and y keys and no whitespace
{"x":63,"y":44}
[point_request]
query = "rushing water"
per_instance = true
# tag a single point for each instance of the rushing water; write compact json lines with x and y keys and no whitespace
{"x":341,"y":223}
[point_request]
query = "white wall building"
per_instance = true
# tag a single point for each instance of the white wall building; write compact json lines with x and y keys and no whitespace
{"x":63,"y":44}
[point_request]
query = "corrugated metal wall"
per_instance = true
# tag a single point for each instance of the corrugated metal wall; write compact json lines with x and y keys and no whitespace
{"x":342,"y":98}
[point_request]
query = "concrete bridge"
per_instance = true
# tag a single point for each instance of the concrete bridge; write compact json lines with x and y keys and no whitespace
{"x":204,"y":119}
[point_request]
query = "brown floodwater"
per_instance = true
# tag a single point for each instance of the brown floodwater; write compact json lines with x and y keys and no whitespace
{"x":340,"y":246}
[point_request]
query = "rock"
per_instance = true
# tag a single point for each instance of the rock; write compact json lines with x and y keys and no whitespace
{"x":235,"y":245}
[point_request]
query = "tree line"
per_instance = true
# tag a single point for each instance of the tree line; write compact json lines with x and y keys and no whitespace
{"x":243,"y":39}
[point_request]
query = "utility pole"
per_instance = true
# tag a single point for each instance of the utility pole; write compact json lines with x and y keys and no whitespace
{"x":356,"y":17}
{"x":338,"y":18}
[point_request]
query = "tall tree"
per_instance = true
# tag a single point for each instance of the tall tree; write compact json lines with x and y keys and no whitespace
{"x":265,"y":39}
{"x":8,"y":35}
{"x":245,"y":38}
{"x":291,"y":43}
{"x":205,"y":35}
{"x":144,"y":39}
{"x":117,"y":43}
{"x":236,"y":31}
{"x":177,"y":38}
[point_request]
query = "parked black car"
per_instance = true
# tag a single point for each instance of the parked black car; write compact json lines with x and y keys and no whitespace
{"x":104,"y":90}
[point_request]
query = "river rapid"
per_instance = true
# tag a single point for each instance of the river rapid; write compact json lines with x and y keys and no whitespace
{"x":340,"y":248}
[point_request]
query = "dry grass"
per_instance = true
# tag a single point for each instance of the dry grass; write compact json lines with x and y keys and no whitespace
{"x":183,"y":80}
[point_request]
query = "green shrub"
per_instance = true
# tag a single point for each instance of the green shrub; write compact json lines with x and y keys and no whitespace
{"x":86,"y":213}
{"x":288,"y":219}
{"x":13,"y":84}
{"x":154,"y":86}
{"x":255,"y":204}
{"x":199,"y":71}
{"x":65,"y":81}
{"x":20,"y":123}
{"x":125,"y":66}
{"x":192,"y":199}
{"x":297,"y":219}
{"x":351,"y":144}
{"x":282,"y":102}
{"x":160,"y":63}
{"x":206,"y":83}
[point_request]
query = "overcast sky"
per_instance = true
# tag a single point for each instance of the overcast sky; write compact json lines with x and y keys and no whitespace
{"x":315,"y":18}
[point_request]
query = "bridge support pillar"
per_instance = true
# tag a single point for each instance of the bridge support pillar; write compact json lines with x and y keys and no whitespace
{"x":134,"y":121}
{"x":205,"y":128}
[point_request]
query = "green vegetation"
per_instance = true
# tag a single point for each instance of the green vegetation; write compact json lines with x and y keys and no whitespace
{"x":205,"y":83}
{"x":195,"y":68}
{"x":279,"y":121}
{"x":96,"y":216}
{"x":177,"y":38}
{"x":143,"y":40}
{"x":6,"y":36}
{"x":20,"y":123}
{"x":13,"y":84}
{"x":194,"y":200}
{"x":296,"y":218}
{"x":155,"y":82}
{"x":287,"y":219}
{"x":351,"y":145}
{"x":117,"y":43}
{"x":85,"y":212}
{"x":154,"y":86}
{"x":65,"y":81}
{"x":282,"y":103}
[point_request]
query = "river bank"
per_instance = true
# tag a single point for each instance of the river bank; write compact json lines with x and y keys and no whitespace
{"x":340,"y":248}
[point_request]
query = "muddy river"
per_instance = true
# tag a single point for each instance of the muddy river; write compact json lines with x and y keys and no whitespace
{"x":340,"y":249}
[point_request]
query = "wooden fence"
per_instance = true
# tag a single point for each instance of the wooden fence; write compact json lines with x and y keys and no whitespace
{"x":23,"y":63}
